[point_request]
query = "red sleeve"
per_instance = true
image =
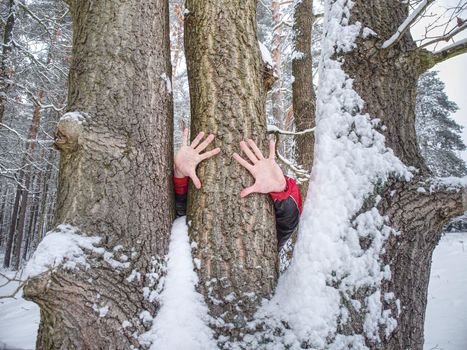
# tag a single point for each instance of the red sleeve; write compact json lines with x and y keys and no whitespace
{"x":181,"y":185}
{"x":292,"y":191}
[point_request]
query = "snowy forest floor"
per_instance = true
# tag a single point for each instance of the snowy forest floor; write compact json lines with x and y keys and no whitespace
{"x":446,"y":317}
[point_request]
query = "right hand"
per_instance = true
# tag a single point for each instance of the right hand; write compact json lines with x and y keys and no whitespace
{"x":188,"y":157}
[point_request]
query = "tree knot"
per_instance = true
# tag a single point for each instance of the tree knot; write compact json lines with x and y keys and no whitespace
{"x":69,"y":130}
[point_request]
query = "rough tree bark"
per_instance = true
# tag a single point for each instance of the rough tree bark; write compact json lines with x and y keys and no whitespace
{"x":237,"y":250}
{"x":303,"y":93}
{"x":115,"y":174}
{"x":386,"y":80}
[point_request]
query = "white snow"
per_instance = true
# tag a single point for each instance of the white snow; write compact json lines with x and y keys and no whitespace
{"x":182,"y":319}
{"x":446,"y":314}
{"x":62,"y":246}
{"x":265,"y":54}
{"x":19,"y":318}
{"x":78,"y":117}
{"x":168,"y":82}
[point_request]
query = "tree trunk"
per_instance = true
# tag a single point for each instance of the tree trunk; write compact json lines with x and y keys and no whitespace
{"x":235,"y":238}
{"x":115,"y":175}
{"x":277,"y":97}
{"x":29,"y":157}
{"x":43,"y":205}
{"x":5,"y":72}
{"x":386,"y":80}
{"x":14,"y":218}
{"x":303,"y":93}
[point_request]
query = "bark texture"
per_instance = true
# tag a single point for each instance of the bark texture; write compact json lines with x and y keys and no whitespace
{"x":235,"y":238}
{"x":386,"y":79}
{"x":303,"y":93}
{"x":115,"y":173}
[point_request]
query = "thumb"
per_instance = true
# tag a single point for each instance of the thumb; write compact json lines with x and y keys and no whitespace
{"x":195,"y":180}
{"x":246,"y":191}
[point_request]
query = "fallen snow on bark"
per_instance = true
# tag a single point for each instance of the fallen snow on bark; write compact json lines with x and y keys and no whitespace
{"x":316,"y":293}
{"x":62,"y":247}
{"x":168,"y":83}
{"x":265,"y":54}
{"x":181,"y":322}
{"x":77,"y":117}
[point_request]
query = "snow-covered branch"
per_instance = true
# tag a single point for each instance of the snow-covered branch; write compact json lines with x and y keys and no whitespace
{"x":429,"y":59}
{"x":450,"y":51}
{"x":405,"y":26}
{"x":272,"y":129}
{"x":301,"y":173}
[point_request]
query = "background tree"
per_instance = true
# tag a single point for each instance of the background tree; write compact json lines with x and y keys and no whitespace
{"x":439,"y":136}
{"x":38,"y":64}
{"x":304,"y":100}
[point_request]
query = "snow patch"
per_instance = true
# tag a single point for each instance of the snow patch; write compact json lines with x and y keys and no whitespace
{"x":266,"y":54}
{"x":63,"y":246}
{"x":168,"y":82}
{"x":181,"y":322}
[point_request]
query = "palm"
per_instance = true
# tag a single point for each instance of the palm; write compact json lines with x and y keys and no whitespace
{"x":267,"y":174}
{"x":188,"y":157}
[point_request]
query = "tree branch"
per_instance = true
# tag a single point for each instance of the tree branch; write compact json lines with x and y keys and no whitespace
{"x":451,"y":51}
{"x":272,"y":129}
{"x":447,"y":36}
{"x":405,"y":26}
{"x":428,"y":59}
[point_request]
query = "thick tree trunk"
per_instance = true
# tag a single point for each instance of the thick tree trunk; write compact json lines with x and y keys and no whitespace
{"x":386,"y":80}
{"x":235,"y":238}
{"x":115,"y":174}
{"x":303,"y":93}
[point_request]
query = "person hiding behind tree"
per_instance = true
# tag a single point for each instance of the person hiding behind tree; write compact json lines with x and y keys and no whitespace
{"x":268,"y":176}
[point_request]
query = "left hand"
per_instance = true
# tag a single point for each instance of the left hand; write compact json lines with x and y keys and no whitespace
{"x":268,"y":175}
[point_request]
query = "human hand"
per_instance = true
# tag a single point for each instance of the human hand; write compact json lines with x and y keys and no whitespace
{"x":188,"y":157}
{"x":268,"y":175}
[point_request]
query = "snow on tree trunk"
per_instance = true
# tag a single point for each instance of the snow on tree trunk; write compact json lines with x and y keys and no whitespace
{"x":114,"y":182}
{"x":234,"y":239}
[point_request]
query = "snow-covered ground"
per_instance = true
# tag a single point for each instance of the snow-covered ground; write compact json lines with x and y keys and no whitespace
{"x":19,"y":319}
{"x":446,"y":314}
{"x":446,"y":318}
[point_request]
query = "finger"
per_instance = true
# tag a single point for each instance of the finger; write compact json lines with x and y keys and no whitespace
{"x":210,"y":154}
{"x":197,"y":139}
{"x":246,"y":191}
{"x":243,"y":162}
{"x":195,"y":180}
{"x":272,"y":149}
{"x":185,"y":137}
{"x":255,"y":149}
{"x":248,"y":152}
{"x":205,"y":143}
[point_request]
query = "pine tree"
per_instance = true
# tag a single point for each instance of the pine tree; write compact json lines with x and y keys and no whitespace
{"x":439,"y":136}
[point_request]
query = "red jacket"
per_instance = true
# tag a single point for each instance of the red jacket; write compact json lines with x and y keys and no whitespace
{"x":287,"y":206}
